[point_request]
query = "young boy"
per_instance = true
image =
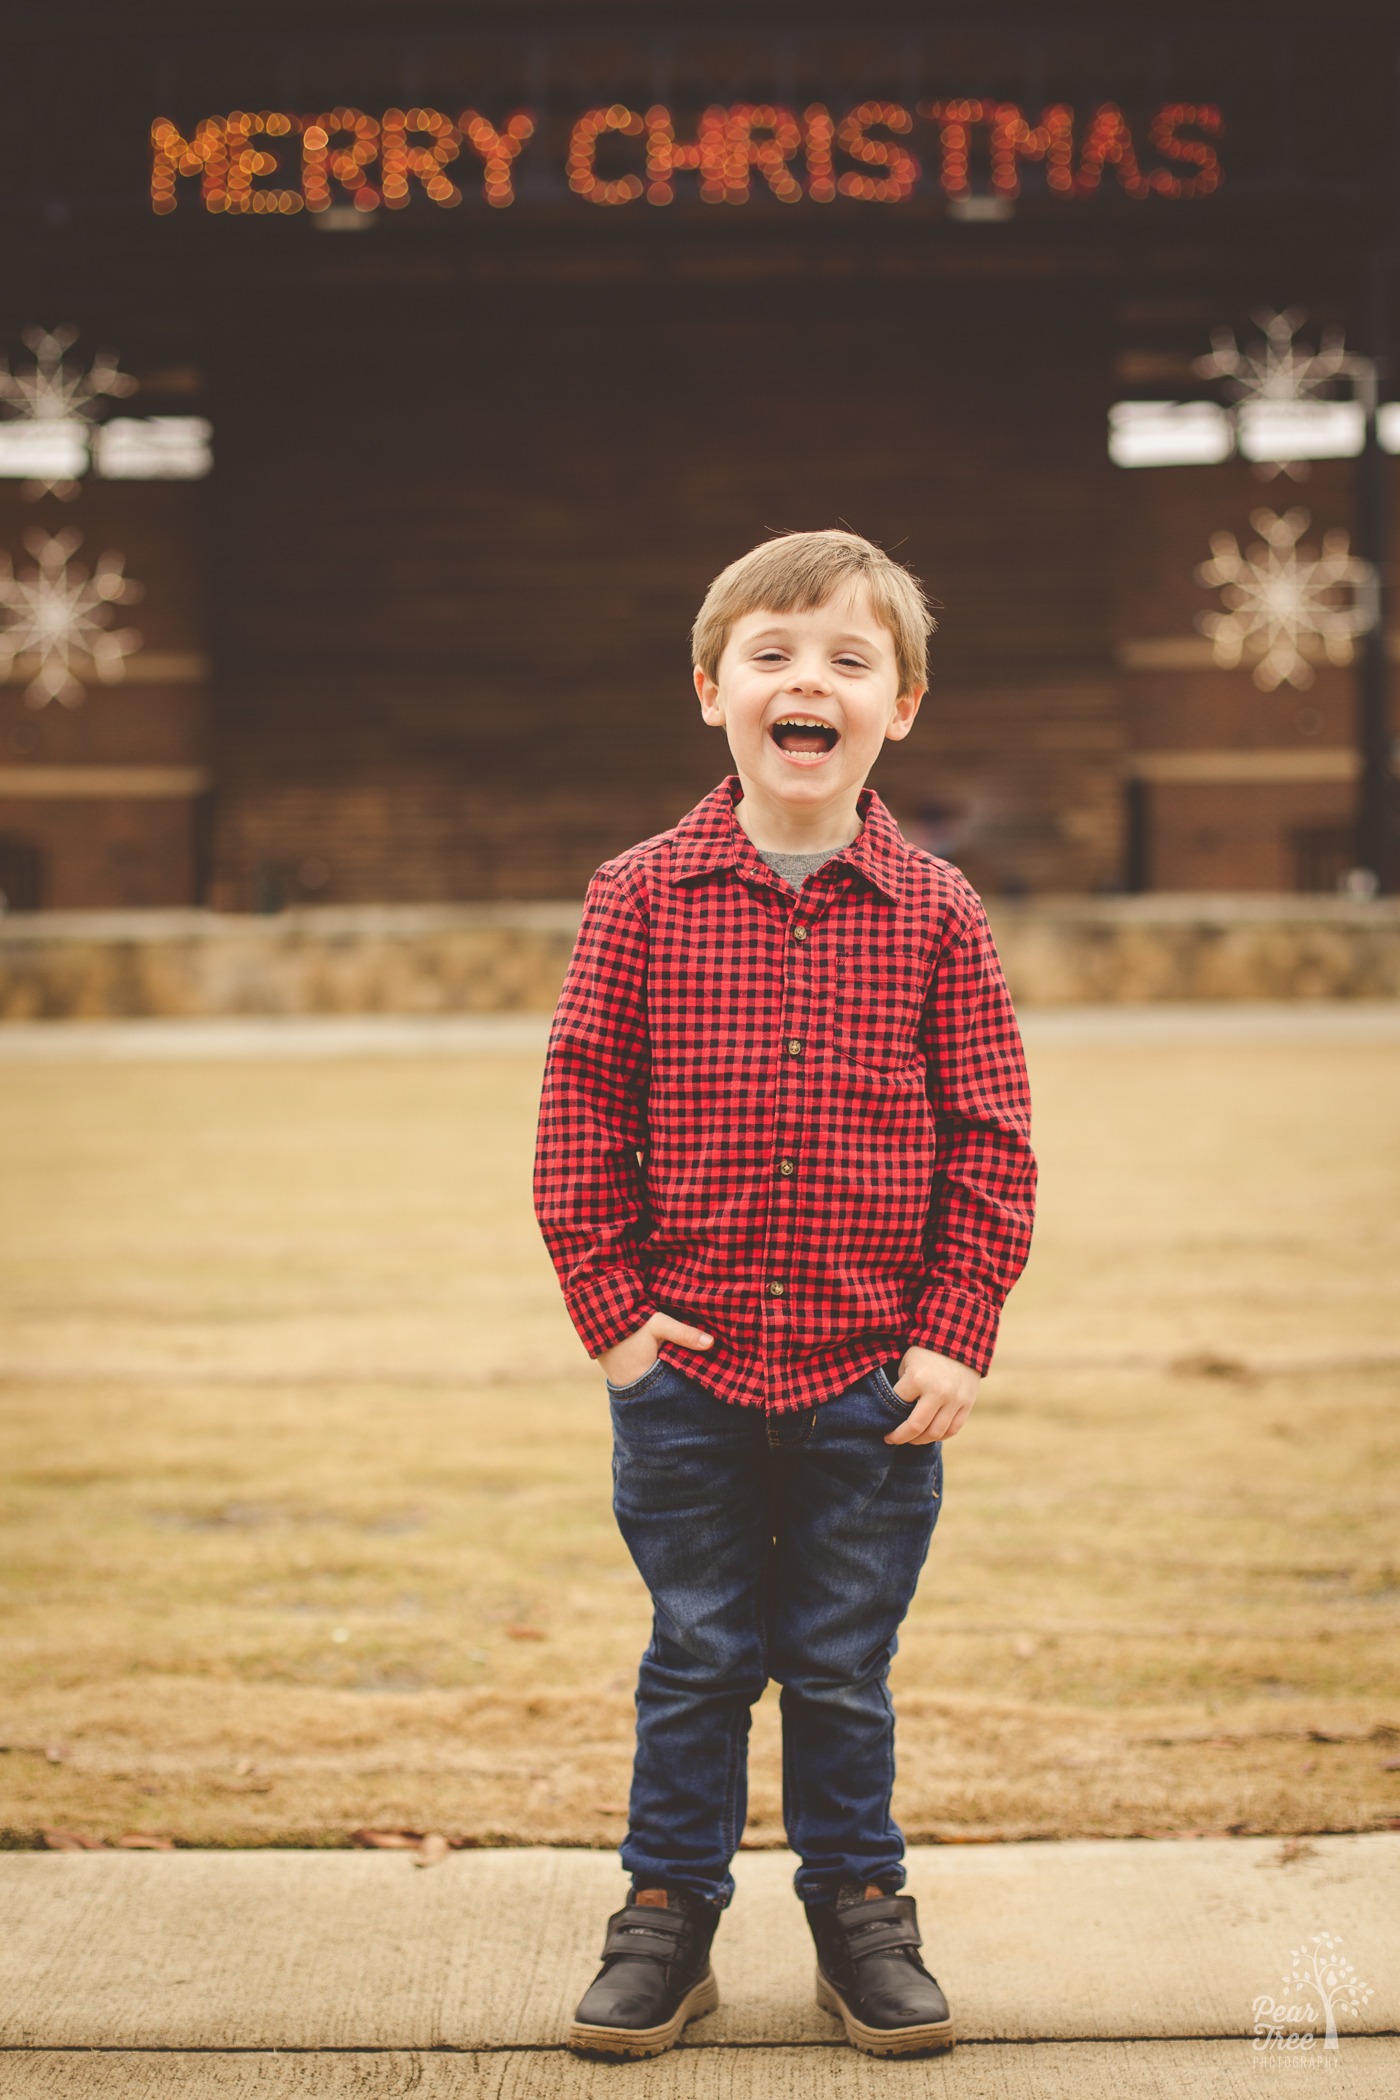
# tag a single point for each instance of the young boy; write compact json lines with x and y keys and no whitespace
{"x":784,"y":1174}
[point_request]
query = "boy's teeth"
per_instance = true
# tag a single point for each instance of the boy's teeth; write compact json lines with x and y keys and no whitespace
{"x":804,"y":734}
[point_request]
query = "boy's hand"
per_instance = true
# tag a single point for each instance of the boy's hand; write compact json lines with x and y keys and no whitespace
{"x":632,"y":1357}
{"x":942,"y":1390}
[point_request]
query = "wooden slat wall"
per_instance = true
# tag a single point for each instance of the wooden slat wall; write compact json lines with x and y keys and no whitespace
{"x":116,"y":849}
{"x":1251,"y":836}
{"x":462,"y":531}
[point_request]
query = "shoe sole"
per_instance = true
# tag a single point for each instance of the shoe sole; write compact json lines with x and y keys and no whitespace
{"x":634,"y":2042}
{"x":927,"y":2040}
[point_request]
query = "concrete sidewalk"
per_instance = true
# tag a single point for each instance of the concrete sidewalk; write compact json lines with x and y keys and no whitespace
{"x":1124,"y":1968}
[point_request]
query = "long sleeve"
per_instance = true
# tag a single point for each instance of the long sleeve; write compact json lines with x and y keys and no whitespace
{"x":589,"y":1197}
{"x":980,"y":1215}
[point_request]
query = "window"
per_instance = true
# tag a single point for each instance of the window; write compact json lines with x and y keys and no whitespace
{"x":1168,"y":434}
{"x":153,"y":448}
{"x":21,"y":874}
{"x":129,"y":448}
{"x":1201,"y":434}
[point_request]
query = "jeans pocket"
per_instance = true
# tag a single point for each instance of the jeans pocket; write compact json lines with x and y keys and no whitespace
{"x":887,"y":1392}
{"x":625,"y":1392}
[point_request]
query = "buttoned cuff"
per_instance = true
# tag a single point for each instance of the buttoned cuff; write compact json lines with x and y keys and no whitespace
{"x":956,"y":1323}
{"x":606,"y":1308}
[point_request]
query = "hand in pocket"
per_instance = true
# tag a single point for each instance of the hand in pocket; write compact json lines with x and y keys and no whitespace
{"x":632,"y":1357}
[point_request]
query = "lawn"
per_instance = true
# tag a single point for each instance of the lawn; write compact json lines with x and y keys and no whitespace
{"x":305,"y":1480}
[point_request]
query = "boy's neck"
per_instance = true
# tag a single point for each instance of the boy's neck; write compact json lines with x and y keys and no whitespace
{"x":777,"y":827}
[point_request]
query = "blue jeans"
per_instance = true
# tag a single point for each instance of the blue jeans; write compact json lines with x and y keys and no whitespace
{"x":783,"y":1546}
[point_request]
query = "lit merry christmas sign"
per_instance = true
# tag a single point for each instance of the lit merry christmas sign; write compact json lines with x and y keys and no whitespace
{"x":271,"y":161}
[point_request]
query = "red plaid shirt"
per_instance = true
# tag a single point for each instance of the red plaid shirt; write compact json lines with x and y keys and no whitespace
{"x":799,"y":1119}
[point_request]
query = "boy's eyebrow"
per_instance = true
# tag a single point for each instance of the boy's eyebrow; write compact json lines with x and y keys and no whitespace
{"x":867,"y":640}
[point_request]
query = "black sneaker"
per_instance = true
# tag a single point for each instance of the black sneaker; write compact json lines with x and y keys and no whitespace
{"x":655,"y":1977}
{"x":869,"y":1974}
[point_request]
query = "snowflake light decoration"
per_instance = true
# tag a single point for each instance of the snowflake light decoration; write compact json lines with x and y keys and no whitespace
{"x":1276,"y":372}
{"x":1281,"y":602}
{"x":1274,"y":368}
{"x":51,"y":395}
{"x":57,"y":613}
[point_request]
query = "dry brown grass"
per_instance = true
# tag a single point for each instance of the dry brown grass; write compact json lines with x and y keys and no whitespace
{"x":300,"y":1458}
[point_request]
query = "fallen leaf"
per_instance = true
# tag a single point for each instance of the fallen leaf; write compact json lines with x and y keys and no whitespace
{"x":388,"y":1840}
{"x":525,"y":1633}
{"x":70,"y":1841}
{"x":433,"y":1848}
{"x":142,"y":1841}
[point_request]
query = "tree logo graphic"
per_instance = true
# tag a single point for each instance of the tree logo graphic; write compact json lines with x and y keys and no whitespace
{"x":1319,"y":1967}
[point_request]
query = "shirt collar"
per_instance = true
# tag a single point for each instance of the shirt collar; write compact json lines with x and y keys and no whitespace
{"x":711,"y":837}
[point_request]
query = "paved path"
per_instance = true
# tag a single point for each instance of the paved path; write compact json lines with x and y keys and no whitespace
{"x":1173,"y":1022}
{"x":1094,"y":1968}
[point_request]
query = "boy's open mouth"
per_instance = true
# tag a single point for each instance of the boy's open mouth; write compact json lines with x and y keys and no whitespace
{"x":804,"y":736}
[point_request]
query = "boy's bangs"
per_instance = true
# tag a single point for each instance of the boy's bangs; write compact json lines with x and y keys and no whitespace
{"x":800,"y":571}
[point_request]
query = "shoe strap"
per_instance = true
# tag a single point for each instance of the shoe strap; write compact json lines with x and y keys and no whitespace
{"x":640,"y":1929}
{"x":878,"y":1926}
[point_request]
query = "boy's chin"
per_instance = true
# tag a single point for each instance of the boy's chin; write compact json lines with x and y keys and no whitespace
{"x":784,"y":782}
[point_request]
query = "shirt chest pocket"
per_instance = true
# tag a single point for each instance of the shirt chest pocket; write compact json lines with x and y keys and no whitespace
{"x":877,"y":999}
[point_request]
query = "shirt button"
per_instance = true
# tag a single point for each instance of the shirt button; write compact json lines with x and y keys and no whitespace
{"x":799,"y":933}
{"x":794,"y":1048}
{"x":787,"y":1166}
{"x":776,"y":1290}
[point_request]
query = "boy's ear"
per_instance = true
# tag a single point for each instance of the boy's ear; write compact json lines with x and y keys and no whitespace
{"x":708,"y":691}
{"x":905,"y":709}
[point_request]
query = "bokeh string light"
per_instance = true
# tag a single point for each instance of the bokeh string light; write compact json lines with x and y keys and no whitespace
{"x":582,"y":164}
{"x":340,"y":147}
{"x":499,"y":151}
{"x":1011,"y":139}
{"x":1107,"y":143}
{"x":246,"y":163}
{"x":1198,"y":153}
{"x":236,"y":159}
{"x":402,"y":161}
{"x":819,"y":133}
{"x":764,"y":139}
{"x":902,"y":170}
{"x":705,"y":155}
{"x":337,"y":150}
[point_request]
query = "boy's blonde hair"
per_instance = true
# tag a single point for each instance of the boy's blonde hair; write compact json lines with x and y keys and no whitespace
{"x":801,"y":570}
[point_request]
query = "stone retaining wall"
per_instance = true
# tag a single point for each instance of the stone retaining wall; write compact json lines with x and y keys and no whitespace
{"x":509,"y":958}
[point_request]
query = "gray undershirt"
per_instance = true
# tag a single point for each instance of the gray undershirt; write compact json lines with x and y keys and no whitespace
{"x":794,"y":868}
